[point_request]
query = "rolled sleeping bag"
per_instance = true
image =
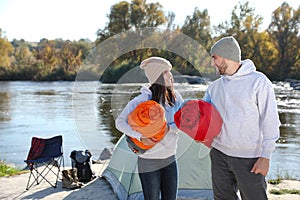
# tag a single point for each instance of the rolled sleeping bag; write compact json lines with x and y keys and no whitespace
{"x":200,"y":120}
{"x":148,"y":118}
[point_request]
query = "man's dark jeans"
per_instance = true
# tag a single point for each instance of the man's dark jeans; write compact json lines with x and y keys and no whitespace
{"x":230,"y":174}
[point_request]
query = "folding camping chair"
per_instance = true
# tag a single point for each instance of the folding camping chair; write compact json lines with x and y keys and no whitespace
{"x":45,"y":155}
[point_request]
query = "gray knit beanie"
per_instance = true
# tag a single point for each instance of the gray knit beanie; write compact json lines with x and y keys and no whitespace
{"x":154,"y":67}
{"x":227,"y":47}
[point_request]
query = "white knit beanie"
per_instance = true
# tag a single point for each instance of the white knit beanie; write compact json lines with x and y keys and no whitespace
{"x":154,"y":67}
{"x":227,"y":47}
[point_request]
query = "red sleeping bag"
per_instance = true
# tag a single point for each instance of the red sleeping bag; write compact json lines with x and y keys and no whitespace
{"x":200,"y":120}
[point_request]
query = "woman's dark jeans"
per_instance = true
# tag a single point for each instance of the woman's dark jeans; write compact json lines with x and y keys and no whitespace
{"x":159,"y":177}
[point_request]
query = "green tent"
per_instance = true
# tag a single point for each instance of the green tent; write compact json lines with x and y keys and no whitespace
{"x":193,"y":165}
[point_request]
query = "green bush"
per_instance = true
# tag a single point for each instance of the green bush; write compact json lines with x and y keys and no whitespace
{"x":284,"y":191}
{"x":6,"y":170}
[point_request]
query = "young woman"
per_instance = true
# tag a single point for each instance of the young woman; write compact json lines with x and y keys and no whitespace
{"x":157,"y":166}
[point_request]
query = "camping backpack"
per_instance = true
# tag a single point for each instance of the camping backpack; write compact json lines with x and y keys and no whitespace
{"x":81,"y":161}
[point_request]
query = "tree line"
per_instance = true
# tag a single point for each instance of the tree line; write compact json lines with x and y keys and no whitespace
{"x":275,"y":51}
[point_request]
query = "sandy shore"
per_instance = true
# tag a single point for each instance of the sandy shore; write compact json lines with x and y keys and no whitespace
{"x":14,"y":188}
{"x":285,"y":184}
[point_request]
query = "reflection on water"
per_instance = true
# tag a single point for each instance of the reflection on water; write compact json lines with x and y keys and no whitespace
{"x":84,"y":113}
{"x":285,"y":160}
{"x":4,"y":106}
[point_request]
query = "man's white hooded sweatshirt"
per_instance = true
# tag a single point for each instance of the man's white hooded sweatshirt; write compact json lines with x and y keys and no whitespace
{"x":247,"y":104}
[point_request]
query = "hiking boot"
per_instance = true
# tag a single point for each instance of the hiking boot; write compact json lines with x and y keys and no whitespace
{"x":75,"y":177}
{"x":68,"y":181}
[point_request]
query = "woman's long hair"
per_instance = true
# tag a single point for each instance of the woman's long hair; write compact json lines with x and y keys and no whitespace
{"x":161,"y":93}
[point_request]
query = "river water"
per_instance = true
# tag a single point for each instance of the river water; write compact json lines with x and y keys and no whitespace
{"x":84,"y":112}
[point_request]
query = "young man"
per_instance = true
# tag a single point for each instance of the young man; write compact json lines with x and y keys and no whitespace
{"x":246,"y":101}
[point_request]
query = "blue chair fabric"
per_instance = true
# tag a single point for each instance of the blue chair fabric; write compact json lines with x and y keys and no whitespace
{"x":45,"y":156}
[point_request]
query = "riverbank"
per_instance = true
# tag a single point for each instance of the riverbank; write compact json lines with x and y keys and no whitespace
{"x":14,"y":188}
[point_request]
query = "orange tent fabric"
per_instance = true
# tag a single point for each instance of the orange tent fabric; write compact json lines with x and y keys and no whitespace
{"x":200,"y":120}
{"x":148,"y":118}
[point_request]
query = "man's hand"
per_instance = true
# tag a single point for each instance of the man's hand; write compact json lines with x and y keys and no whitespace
{"x":261,"y":166}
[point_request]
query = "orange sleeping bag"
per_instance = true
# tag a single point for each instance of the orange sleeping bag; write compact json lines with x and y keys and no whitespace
{"x":148,"y":118}
{"x":200,"y":120}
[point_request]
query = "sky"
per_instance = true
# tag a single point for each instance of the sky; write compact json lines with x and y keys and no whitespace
{"x":33,"y":20}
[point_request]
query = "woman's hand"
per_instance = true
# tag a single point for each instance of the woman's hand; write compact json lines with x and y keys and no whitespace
{"x":152,"y":140}
{"x":148,"y":141}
